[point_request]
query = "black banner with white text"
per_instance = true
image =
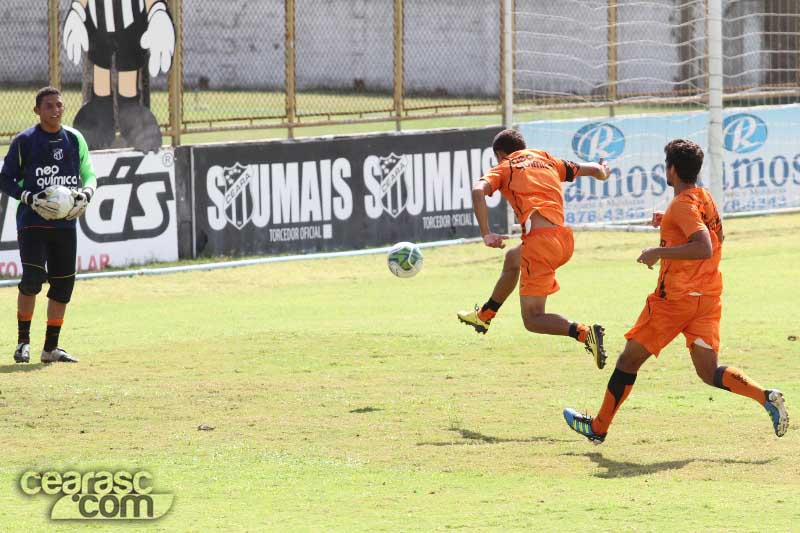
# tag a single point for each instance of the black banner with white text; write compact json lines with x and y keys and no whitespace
{"x":340,"y":193}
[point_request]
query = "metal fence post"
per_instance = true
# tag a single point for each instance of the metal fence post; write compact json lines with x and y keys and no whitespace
{"x":398,"y":63}
{"x":290,"y":81}
{"x":53,"y":41}
{"x":611,"y":92}
{"x":176,"y":76}
{"x":715,"y":90}
{"x":507,"y":62}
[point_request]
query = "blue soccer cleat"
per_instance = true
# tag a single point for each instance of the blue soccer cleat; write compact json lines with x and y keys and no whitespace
{"x":776,"y":408}
{"x":582,"y":424}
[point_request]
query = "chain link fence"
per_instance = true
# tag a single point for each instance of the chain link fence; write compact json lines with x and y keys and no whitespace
{"x":240,"y":64}
{"x":24,"y":35}
{"x":278,"y":63}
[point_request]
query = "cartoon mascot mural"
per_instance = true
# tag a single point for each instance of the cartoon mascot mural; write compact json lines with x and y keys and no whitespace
{"x":127,"y":30}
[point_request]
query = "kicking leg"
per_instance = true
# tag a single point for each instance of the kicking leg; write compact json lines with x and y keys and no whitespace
{"x":506,"y":283}
{"x":538,"y":321}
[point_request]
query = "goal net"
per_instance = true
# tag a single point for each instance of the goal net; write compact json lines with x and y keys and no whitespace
{"x":618,"y":79}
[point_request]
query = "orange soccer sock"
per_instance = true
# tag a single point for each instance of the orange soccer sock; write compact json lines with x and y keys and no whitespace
{"x":734,"y":380}
{"x":619,"y":387}
{"x":489,"y":310}
{"x":579,"y":332}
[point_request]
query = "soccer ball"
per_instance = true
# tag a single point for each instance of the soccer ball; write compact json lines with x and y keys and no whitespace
{"x":404,"y":259}
{"x":61,"y":198}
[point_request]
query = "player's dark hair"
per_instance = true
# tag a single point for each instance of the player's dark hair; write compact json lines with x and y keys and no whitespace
{"x":45,"y":91}
{"x":686,"y":157}
{"x":508,"y":141}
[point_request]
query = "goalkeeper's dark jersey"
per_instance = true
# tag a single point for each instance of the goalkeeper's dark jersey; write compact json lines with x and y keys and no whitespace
{"x":38,"y":159}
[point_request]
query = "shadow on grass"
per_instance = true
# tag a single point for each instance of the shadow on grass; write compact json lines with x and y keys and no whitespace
{"x":366,"y":410}
{"x":618,"y":469}
{"x":474,"y":437}
{"x":20,"y":367}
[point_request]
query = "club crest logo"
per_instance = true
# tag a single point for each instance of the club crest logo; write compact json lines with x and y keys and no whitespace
{"x":238,"y":195}
{"x":58,"y":154}
{"x":394,"y":193}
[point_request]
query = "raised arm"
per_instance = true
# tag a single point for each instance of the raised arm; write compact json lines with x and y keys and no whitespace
{"x":598,"y":171}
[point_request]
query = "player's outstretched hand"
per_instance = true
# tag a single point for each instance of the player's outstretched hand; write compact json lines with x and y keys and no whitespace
{"x":649,"y":257}
{"x":76,"y":38}
{"x":656,"y":220}
{"x":159,"y":39}
{"x":605,"y":172}
{"x":493,"y":240}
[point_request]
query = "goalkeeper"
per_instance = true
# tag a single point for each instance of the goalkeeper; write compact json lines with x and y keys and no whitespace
{"x":38,"y":159}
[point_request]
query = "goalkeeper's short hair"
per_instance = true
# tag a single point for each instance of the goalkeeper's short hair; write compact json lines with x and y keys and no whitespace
{"x":45,"y":91}
{"x":508,"y":141}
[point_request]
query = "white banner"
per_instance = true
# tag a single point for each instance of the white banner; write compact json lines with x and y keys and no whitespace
{"x":131,"y":219}
{"x":761,"y":161}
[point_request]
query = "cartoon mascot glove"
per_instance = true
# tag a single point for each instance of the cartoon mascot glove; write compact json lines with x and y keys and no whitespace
{"x":159,"y":39}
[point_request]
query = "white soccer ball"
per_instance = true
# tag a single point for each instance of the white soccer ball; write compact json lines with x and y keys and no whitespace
{"x":61,"y":198}
{"x":404,"y":259}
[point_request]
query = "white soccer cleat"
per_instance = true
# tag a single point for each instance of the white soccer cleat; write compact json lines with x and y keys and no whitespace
{"x":57,"y":355}
{"x":23,"y":353}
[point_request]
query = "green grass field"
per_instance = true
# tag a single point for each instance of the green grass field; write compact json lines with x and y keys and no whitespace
{"x":345,"y":399}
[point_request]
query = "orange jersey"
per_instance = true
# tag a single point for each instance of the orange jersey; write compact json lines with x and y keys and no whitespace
{"x":691,"y":211}
{"x":530,"y":180}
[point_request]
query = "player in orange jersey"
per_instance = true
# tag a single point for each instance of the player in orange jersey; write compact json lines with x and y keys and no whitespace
{"x":531,"y":182}
{"x":686,"y":300}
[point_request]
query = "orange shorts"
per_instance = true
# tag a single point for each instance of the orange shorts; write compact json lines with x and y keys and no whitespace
{"x":543,"y":251}
{"x":697,"y":317}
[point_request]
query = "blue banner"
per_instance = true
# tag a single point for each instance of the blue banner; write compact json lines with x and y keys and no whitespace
{"x":761,"y":160}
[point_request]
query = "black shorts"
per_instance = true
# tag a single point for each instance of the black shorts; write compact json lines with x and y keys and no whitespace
{"x":124,"y":45}
{"x":48,"y":252}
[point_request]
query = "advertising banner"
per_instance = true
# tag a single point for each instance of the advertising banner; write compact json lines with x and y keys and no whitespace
{"x":130,"y":220}
{"x":761,"y":160}
{"x":339,"y":193}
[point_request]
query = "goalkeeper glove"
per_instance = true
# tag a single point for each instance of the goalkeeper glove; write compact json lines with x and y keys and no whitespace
{"x":81,"y":200}
{"x":40,"y":204}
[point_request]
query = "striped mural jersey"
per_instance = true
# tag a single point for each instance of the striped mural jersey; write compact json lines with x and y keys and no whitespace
{"x":691,"y":211}
{"x":114,"y":15}
{"x":530,"y":180}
